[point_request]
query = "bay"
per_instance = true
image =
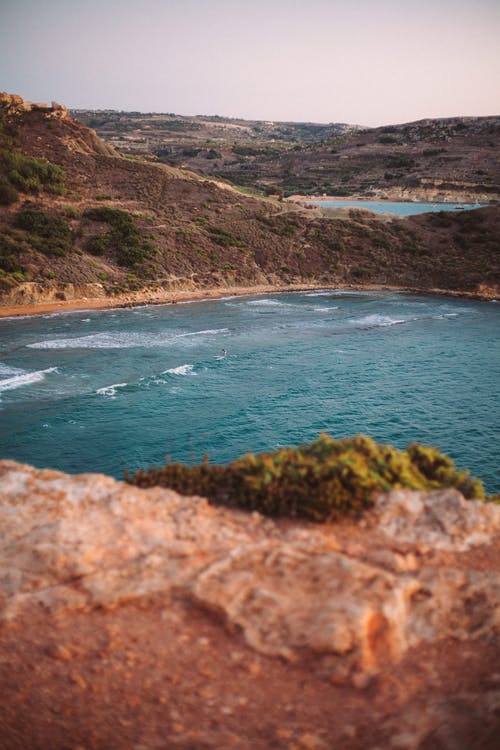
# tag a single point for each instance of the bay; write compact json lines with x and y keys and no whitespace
{"x":401,"y":208}
{"x":108,"y":390}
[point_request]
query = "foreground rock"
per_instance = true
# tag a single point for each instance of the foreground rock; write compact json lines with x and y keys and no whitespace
{"x":142,"y":619}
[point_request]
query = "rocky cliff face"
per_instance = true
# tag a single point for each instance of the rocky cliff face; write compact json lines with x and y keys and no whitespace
{"x":140,"y":618}
{"x":14,"y":105}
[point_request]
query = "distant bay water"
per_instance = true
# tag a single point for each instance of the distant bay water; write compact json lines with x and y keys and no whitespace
{"x":102,"y":391}
{"x":401,"y":208}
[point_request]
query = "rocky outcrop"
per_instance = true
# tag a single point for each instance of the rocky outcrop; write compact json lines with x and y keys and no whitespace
{"x":397,"y":608}
{"x":33,"y":293}
{"x":14,"y":105}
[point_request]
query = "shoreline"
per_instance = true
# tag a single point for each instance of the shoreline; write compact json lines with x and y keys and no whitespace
{"x":360,"y":198}
{"x":140,"y":299}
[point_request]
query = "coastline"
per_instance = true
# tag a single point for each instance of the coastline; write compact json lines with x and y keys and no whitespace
{"x":137,"y":299}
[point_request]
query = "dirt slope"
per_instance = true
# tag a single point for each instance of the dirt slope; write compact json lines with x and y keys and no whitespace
{"x":129,"y":224}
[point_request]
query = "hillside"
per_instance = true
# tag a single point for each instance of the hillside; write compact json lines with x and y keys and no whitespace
{"x":447,"y":159}
{"x":74,"y":212}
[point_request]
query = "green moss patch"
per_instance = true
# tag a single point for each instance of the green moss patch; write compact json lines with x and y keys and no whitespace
{"x":322,"y":481}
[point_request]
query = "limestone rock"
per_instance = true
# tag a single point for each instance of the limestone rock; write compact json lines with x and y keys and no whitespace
{"x":349,"y":603}
{"x":441,"y":520}
{"x":33,"y":293}
{"x":15,"y":104}
{"x":290,"y":590}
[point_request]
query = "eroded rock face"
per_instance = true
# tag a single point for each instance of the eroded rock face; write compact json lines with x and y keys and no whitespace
{"x":32,"y":293}
{"x":141,"y":619}
{"x":15,"y":104}
{"x":351,"y":601}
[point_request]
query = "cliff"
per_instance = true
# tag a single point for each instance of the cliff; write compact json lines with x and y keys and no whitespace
{"x":140,"y":618}
{"x":74,"y":213}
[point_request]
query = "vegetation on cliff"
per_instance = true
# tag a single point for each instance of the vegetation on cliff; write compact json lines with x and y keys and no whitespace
{"x":123,"y":239}
{"x":129,"y":224}
{"x":20,"y":173}
{"x":23,"y":174}
{"x":446,"y":157}
{"x":321,"y":481}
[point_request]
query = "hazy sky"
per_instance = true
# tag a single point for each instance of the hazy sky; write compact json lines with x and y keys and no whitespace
{"x":370,"y":62}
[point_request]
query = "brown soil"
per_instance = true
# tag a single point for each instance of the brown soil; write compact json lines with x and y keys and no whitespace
{"x":206,"y":235}
{"x":147,"y":678}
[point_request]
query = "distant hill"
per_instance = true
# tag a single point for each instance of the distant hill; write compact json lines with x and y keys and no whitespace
{"x":444,"y":159}
{"x":75,"y":213}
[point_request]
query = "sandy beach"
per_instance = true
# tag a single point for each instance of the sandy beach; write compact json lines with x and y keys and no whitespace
{"x":192,"y":295}
{"x":149,"y":298}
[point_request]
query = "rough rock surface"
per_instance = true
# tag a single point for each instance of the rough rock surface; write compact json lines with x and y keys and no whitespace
{"x":32,"y":293}
{"x":15,"y":104}
{"x":142,"y":619}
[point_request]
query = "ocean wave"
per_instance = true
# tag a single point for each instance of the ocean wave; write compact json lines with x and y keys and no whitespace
{"x":207,"y":332}
{"x":324,"y":309}
{"x":110,"y":390}
{"x":124,"y":340}
{"x":181,"y":370}
{"x":9,"y":370}
{"x":268,"y":303}
{"x":325,"y":293}
{"x":15,"y":317}
{"x":25,"y":378}
{"x":377,"y":321}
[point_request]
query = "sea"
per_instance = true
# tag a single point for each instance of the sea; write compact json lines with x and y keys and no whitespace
{"x":401,"y":208}
{"x":105,"y":391}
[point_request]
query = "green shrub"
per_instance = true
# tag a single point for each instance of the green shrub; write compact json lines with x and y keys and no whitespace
{"x":30,"y":175}
{"x":49,"y":234}
{"x":71,"y":212}
{"x":321,"y":481}
{"x":360,"y":272}
{"x":400,"y":161}
{"x":9,"y":254}
{"x":123,"y":238}
{"x":98,"y":244}
{"x":224,"y":238}
{"x":8,"y":193}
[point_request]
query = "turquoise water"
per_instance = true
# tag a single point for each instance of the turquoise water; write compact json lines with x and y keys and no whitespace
{"x":401,"y":208}
{"x":101,"y":391}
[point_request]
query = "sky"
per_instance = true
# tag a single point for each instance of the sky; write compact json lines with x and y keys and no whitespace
{"x":368,"y":62}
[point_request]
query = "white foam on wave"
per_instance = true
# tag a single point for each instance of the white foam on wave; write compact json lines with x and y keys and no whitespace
{"x":25,"y":378}
{"x":319,"y":294}
{"x":181,"y":370}
{"x":93,"y":341}
{"x":268,"y":303}
{"x":123,"y":340}
{"x":9,"y":370}
{"x":376,"y":321}
{"x":324,"y":309}
{"x":110,"y":390}
{"x":207,"y":332}
{"x":16,"y":317}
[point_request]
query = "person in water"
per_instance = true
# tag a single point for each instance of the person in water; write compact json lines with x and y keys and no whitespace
{"x":224,"y":352}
